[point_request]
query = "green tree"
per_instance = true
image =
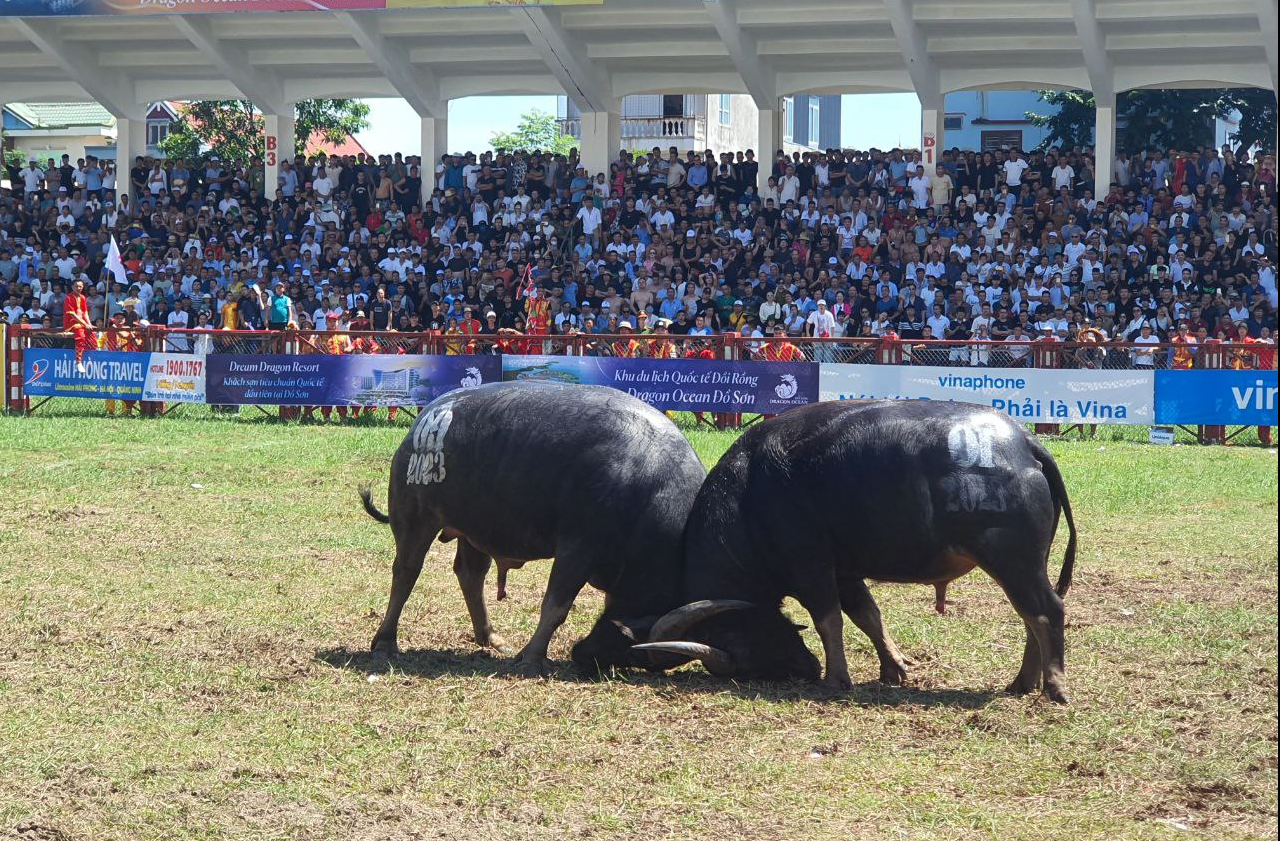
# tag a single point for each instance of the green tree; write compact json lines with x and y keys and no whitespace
{"x":1145,"y":119}
{"x":537,"y":130}
{"x":233,"y":129}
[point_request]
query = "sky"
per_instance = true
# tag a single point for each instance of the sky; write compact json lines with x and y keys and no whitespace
{"x":884,"y":120}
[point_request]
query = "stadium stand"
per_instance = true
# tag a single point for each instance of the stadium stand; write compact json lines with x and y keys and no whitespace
{"x":994,"y":246}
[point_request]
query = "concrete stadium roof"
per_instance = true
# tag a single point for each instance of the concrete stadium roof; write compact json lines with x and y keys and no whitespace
{"x":597,"y":54}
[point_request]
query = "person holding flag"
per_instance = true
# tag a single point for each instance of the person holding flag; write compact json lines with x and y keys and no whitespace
{"x":75,"y":319}
{"x":537,"y":306}
{"x":121,"y":338}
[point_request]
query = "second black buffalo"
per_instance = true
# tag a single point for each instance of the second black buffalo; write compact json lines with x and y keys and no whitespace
{"x":814,"y":502}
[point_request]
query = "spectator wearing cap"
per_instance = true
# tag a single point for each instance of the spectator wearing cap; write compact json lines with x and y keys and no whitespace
{"x":280,"y":312}
{"x":625,"y":346}
{"x":821,"y":324}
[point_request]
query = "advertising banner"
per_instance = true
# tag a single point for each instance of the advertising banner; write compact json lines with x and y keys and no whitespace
{"x":1227,"y":398}
{"x":174,"y":378}
{"x":681,"y":385}
{"x":52,"y":372}
{"x":46,"y":8}
{"x":1031,"y":395}
{"x":359,"y":380}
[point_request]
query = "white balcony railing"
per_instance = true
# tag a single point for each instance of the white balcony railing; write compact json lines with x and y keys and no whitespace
{"x":656,"y":128}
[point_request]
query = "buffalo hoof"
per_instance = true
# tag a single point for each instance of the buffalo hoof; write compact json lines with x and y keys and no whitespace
{"x":893,"y":674}
{"x":531,"y":667}
{"x":385,"y":647}
{"x":838,"y":682}
{"x":494,"y":641}
{"x":1022,"y":687}
{"x":1056,"y":694}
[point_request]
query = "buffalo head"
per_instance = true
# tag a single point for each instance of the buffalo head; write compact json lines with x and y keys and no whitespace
{"x":732,"y":639}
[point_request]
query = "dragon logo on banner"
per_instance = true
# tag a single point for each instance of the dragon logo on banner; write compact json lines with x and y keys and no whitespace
{"x":788,"y":388}
{"x":472,"y":379}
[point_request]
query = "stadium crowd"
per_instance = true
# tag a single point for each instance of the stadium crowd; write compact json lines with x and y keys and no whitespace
{"x":993,"y":246}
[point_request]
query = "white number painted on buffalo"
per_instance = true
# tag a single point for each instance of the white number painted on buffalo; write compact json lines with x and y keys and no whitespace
{"x":972,"y":444}
{"x":426,"y":464}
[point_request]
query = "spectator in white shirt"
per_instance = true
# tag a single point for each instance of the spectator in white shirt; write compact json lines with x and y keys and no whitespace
{"x":1063,"y":173}
{"x":589,"y":216}
{"x":919,"y":185}
{"x":1014,"y":168}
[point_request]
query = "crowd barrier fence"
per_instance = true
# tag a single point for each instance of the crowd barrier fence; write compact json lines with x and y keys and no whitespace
{"x":1048,"y":383}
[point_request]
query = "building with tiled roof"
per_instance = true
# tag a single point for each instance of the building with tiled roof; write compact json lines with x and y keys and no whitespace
{"x":43,"y":130}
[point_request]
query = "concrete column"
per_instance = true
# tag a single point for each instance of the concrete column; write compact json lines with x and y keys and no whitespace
{"x":4,"y":169}
{"x":768,"y":142}
{"x":131,"y":141}
{"x":1104,"y":149}
{"x":278,"y":145}
{"x":435,"y":142}
{"x":932,"y":134}
{"x":601,"y":141}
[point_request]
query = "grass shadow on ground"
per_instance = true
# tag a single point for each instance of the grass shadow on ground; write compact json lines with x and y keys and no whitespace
{"x":431,"y":664}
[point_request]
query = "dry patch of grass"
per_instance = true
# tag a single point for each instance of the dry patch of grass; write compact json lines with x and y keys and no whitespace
{"x":180,"y":662}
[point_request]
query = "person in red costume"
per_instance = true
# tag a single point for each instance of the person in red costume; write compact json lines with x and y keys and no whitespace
{"x":75,"y":318}
{"x":697,"y":349}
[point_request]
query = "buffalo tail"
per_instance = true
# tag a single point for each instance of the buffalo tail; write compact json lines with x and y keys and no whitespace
{"x":367,"y":498}
{"x":1058,"y":489}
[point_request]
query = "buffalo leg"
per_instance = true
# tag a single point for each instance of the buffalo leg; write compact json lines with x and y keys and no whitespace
{"x":863,"y":611}
{"x":1028,"y":679}
{"x":410,"y":552}
{"x":471,"y":566}
{"x":1021,"y":573}
{"x":823,"y":604}
{"x":1041,"y":610}
{"x":569,"y":573}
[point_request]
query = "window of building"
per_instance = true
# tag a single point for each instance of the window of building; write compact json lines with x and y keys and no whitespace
{"x":726,"y":109}
{"x":788,"y":119}
{"x":815,"y":121}
{"x":992,"y":140}
{"x":953,"y":122}
{"x":673,"y":105}
{"x":157,"y":132}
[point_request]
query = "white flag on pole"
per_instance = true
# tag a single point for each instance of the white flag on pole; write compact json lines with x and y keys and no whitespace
{"x":115,"y":265}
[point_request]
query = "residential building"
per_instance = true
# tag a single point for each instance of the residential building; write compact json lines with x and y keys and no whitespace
{"x":992,"y":120}
{"x":45,"y":130}
{"x":722,"y":122}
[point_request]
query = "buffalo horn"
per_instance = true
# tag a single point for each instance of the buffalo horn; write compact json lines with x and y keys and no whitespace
{"x":674,"y":625}
{"x":718,"y":662}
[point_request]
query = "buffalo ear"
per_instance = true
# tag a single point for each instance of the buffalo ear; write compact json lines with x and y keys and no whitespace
{"x":636,"y":630}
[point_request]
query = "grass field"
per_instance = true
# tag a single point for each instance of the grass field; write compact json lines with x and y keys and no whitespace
{"x":186,"y":606}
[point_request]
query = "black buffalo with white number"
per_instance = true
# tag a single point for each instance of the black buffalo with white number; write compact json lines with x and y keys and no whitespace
{"x":589,"y":476}
{"x":814,"y":502}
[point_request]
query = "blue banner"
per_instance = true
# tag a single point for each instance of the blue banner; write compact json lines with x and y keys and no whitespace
{"x":681,"y":385}
{"x":52,"y":372}
{"x":1226,"y":398}
{"x":347,"y":380}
